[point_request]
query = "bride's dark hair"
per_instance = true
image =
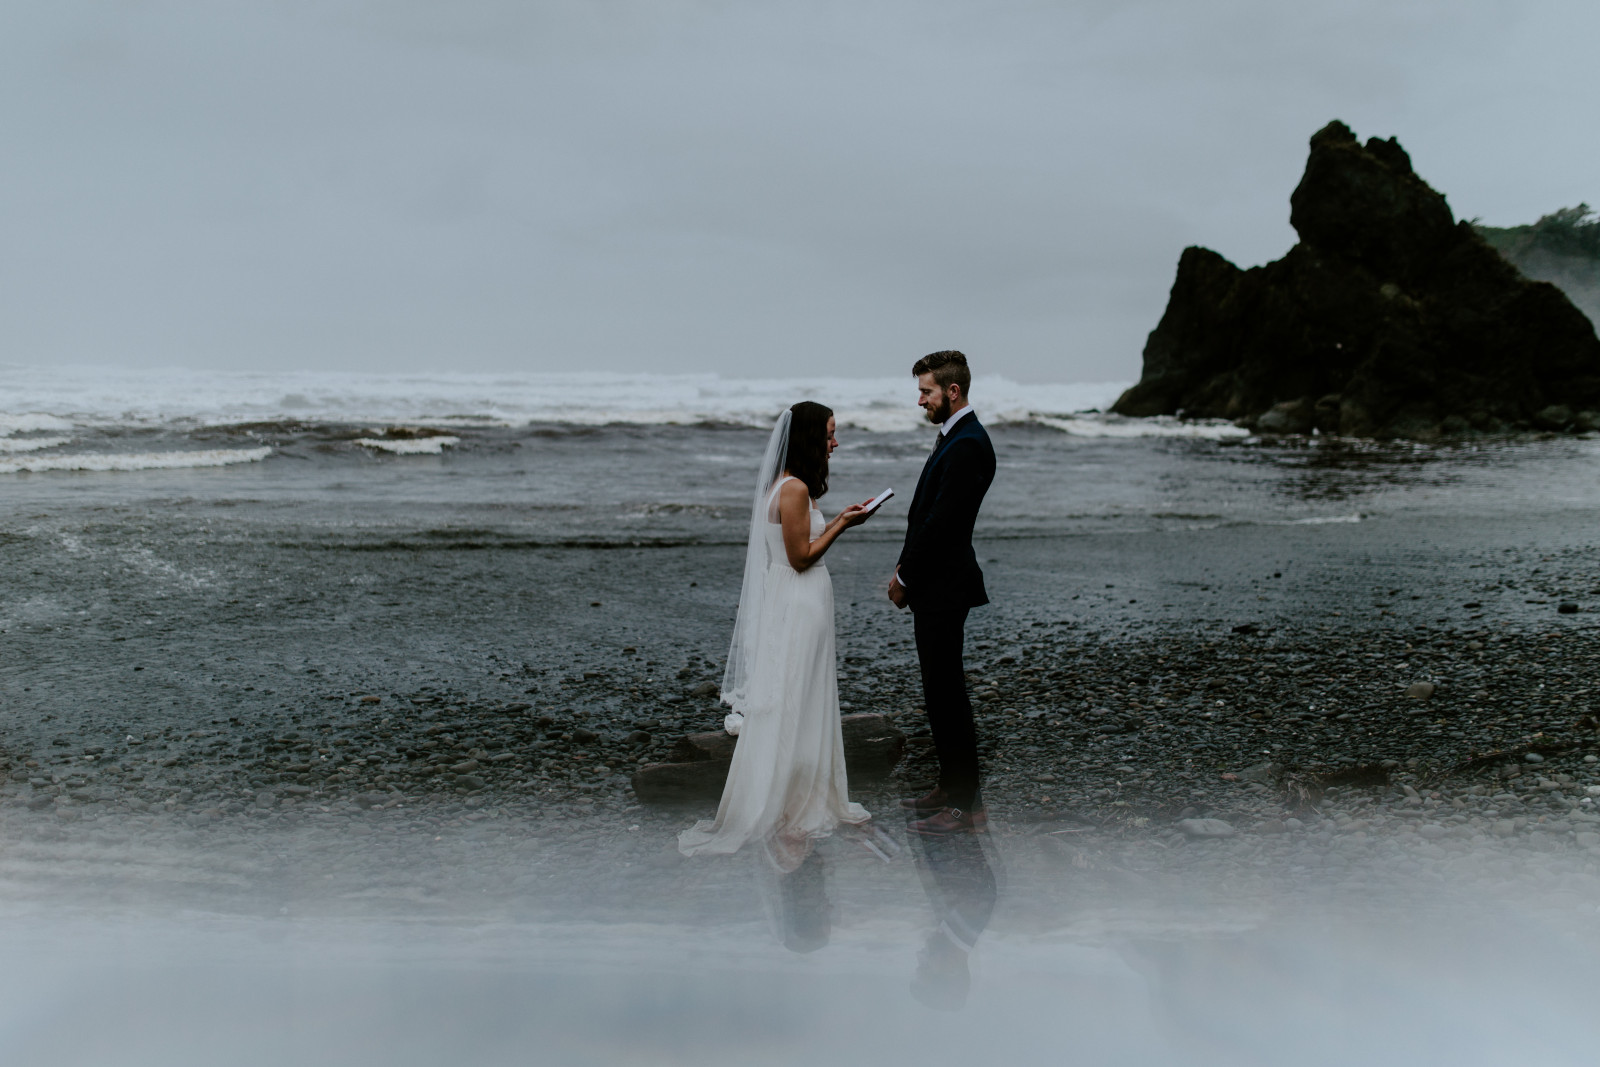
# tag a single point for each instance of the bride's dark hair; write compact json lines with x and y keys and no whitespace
{"x":807,"y":458}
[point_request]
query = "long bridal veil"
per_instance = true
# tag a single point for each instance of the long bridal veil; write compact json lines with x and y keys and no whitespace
{"x":742,"y":652}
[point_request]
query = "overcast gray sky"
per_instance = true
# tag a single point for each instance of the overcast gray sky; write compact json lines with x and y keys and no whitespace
{"x":755,"y":189}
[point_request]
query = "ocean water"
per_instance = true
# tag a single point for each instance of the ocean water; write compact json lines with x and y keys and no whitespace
{"x":51,"y":399}
{"x":605,"y":458}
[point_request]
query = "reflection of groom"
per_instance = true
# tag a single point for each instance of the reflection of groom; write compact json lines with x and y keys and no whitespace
{"x":938,"y":577}
{"x":961,"y":887}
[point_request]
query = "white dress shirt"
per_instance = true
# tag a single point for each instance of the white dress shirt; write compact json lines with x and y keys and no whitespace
{"x":948,"y":424}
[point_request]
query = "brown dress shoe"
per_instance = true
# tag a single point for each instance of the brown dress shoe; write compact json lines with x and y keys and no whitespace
{"x":951,"y":821}
{"x":927,"y":805}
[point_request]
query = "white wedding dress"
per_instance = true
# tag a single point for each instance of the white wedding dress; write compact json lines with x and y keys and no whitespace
{"x":786,"y":786}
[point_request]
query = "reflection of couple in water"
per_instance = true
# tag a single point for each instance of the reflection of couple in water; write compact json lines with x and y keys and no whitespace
{"x":960,"y":883}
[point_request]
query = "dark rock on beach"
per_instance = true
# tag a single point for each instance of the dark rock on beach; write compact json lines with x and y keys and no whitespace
{"x":1388,"y":319}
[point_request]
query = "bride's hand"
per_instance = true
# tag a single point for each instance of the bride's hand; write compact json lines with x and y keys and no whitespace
{"x":854,"y":515}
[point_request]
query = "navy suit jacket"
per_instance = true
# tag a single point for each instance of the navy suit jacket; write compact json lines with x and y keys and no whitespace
{"x":938,"y":563}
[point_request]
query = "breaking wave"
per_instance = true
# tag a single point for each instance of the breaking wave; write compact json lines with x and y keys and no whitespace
{"x":413,"y":446}
{"x":1323,"y":520}
{"x":1102,"y":425}
{"x":66,"y":398}
{"x":30,"y":422}
{"x":133,"y":461}
{"x":31,"y":444}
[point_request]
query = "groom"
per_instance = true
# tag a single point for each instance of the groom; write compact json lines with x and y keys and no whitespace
{"x":938,"y":577}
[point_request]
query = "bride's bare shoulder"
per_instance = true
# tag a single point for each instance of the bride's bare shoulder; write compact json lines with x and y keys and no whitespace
{"x":793,"y":493}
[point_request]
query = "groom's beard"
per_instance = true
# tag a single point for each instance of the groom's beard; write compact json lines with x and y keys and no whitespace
{"x":939,"y":414}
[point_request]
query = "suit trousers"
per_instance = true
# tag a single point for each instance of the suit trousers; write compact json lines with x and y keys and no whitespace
{"x":940,"y":637}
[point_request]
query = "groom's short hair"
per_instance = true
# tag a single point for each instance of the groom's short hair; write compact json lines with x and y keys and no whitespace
{"x":948,"y":368}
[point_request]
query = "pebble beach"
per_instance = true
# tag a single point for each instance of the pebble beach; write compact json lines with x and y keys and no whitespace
{"x":1289,"y":713}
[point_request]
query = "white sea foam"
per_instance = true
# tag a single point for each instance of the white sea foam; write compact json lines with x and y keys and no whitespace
{"x":30,"y":422}
{"x":410,"y":446}
{"x":1325,"y":520}
{"x":30,"y":444}
{"x":103,"y":396}
{"x":1101,"y":425}
{"x":133,"y":461}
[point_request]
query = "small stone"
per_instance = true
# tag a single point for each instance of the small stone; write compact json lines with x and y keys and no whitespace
{"x":1421,"y":690}
{"x":1206,"y":828}
{"x":371,"y":700}
{"x":298,"y":790}
{"x":1271,"y":826}
{"x":706,"y":689}
{"x":371,"y":800}
{"x":1591,"y":759}
{"x":1432,"y":831}
{"x":1567,"y":608}
{"x":584,"y":736}
{"x":1293,"y":824}
{"x":1532,"y":757}
{"x":1554,"y":417}
{"x":265,"y":799}
{"x":464,"y":767}
{"x":469,"y":782}
{"x":1504,"y":828}
{"x":1261,"y":772}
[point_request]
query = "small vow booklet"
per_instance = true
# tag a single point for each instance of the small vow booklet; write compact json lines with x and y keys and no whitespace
{"x":878,"y":501}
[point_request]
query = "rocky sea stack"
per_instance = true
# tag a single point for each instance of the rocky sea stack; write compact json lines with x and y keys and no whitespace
{"x":1387,"y":319}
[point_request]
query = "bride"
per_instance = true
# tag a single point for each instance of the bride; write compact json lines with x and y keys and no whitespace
{"x":786,"y":786}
